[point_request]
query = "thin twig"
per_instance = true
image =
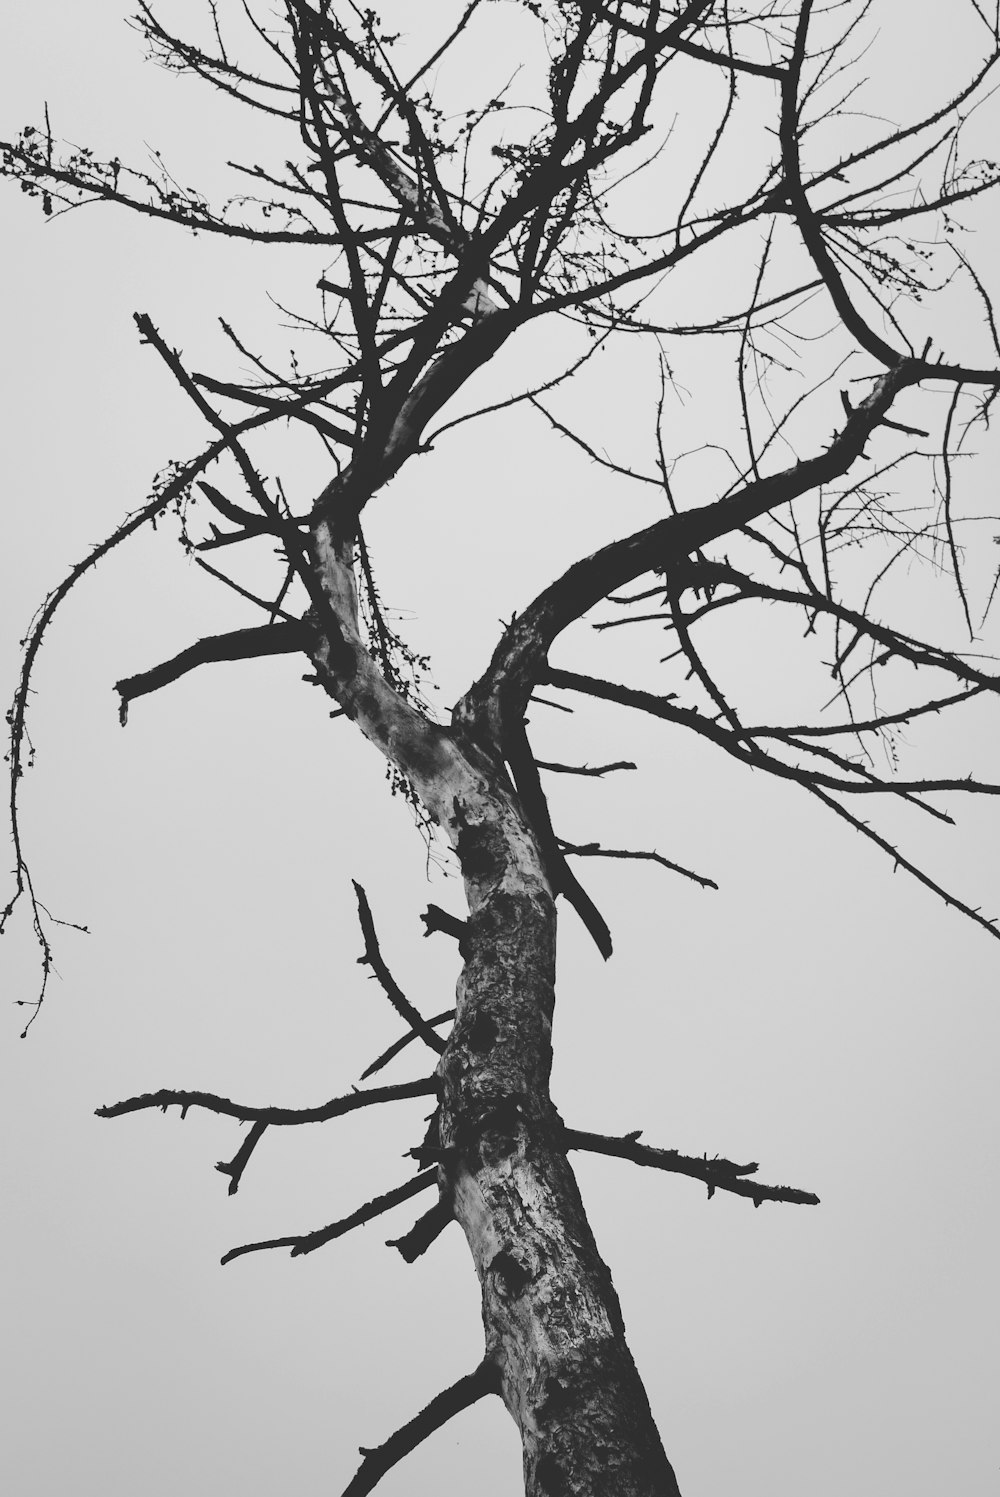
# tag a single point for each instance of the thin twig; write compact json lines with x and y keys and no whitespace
{"x":373,"y":958}
{"x":595,"y":850}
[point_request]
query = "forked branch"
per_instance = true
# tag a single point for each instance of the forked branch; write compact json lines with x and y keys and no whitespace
{"x":308,"y":1242}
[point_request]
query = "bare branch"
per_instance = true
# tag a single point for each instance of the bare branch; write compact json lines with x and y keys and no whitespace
{"x":585,"y":769}
{"x":308,"y":1242}
{"x":595,"y":850}
{"x":461,"y":1395}
{"x":717,"y":1174}
{"x":282,"y":1116}
{"x":373,"y":958}
{"x":404,"y":1040}
{"x":731,"y":742}
{"x":241,"y":644}
{"x":234,"y":1167}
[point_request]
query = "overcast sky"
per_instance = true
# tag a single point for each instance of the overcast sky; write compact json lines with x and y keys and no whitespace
{"x":818,"y":1014}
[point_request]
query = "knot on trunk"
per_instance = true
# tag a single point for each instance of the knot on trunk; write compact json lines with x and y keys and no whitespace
{"x":512,"y":1275}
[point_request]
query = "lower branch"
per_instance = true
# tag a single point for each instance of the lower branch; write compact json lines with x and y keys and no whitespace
{"x":241,"y":644}
{"x":308,"y":1242}
{"x":717,"y":1174}
{"x":461,"y":1395}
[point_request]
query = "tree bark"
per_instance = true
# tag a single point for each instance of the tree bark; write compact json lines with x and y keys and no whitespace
{"x":551,"y":1316}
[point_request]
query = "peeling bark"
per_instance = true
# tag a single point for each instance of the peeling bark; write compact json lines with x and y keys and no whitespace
{"x":551,"y":1317}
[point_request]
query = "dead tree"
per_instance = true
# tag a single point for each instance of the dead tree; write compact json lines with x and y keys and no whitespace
{"x":452,"y":224}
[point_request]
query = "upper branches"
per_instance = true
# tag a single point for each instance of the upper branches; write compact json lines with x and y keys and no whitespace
{"x":453,"y":216}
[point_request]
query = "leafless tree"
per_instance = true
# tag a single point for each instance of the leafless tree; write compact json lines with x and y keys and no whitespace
{"x":453,"y":223}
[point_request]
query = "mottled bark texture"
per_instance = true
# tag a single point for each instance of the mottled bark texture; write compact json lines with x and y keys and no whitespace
{"x":553,"y":1326}
{"x":551,"y":1316}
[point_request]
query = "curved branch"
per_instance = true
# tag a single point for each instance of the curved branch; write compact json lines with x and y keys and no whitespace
{"x":335,"y":1108}
{"x":501,"y":694}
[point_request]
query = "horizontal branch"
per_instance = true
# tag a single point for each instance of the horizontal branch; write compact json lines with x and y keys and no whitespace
{"x":241,"y":644}
{"x":871,"y":725}
{"x":280,"y":1116}
{"x":717,"y":1174}
{"x":595,"y":850}
{"x":435,"y":918}
{"x":584,"y":769}
{"x":308,"y":1242}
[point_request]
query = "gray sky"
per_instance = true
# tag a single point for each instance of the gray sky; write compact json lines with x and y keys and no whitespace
{"x":818,"y":1014}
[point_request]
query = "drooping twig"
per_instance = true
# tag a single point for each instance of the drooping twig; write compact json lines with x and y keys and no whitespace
{"x":281,"y":1116}
{"x":717,"y":1174}
{"x":161,"y":498}
{"x":234,"y":1167}
{"x":461,"y":1395}
{"x":308,"y":1242}
{"x":373,"y":958}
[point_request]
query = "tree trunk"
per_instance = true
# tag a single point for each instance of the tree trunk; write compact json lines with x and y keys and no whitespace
{"x":553,"y":1325}
{"x":551,"y":1316}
